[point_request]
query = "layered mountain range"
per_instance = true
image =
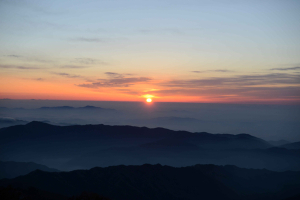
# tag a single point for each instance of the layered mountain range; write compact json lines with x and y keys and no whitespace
{"x":87,"y":146}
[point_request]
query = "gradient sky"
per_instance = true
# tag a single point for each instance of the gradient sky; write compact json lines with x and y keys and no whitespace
{"x":181,"y":51}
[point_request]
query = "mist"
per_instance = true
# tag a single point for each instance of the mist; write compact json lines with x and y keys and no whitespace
{"x":269,"y":122}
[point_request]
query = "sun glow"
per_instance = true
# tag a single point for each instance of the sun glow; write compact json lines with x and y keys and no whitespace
{"x":149,"y":100}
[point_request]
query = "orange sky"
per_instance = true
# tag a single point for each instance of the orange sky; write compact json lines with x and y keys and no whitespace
{"x":62,"y":89}
{"x":187,"y":52}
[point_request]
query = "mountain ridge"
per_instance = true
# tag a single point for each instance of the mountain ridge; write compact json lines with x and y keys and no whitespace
{"x":84,"y":146}
{"x":293,"y":145}
{"x":12,"y":169}
{"x":165,"y":182}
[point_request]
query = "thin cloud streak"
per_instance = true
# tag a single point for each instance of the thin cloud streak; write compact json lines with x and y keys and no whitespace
{"x":18,"y":67}
{"x":67,"y":75}
{"x":84,"y":39}
{"x":217,"y":70}
{"x":113,"y":74}
{"x":73,"y":67}
{"x":14,"y":56}
{"x":89,"y":61}
{"x":286,"y":69}
{"x":173,"y":31}
{"x":117,"y":75}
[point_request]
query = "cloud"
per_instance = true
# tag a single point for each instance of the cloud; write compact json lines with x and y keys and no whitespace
{"x":17,"y":67}
{"x":35,"y":79}
{"x":14,"y":56}
{"x":117,"y":75}
{"x":129,"y":91}
{"x":89,"y":61}
{"x":102,"y":40}
{"x":116,"y":82}
{"x":286,"y":69}
{"x":10,"y":120}
{"x":22,"y":67}
{"x":29,"y":59}
{"x":217,"y":70}
{"x":73,"y":67}
{"x":262,"y":87}
{"x":239,"y":94}
{"x":197,"y":72}
{"x":242,"y":80}
{"x":113,"y":74}
{"x":221,"y":70}
{"x":67,"y":75}
{"x":85,"y":39}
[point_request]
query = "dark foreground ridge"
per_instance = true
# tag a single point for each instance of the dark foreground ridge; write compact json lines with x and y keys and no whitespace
{"x":11,"y":193}
{"x":164,"y":182}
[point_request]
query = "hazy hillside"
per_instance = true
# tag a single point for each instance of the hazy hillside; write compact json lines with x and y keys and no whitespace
{"x":294,"y":145}
{"x":13,"y":169}
{"x":272,"y":122}
{"x":86,"y":146}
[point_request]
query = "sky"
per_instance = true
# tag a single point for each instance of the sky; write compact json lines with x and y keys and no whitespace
{"x":226,"y":51}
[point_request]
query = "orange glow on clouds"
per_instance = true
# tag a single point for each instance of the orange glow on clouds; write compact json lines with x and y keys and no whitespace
{"x":61,"y":88}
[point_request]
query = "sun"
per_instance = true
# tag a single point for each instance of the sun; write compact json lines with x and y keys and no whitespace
{"x":149,"y":100}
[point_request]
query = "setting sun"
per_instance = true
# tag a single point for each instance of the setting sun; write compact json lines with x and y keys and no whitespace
{"x":149,"y":100}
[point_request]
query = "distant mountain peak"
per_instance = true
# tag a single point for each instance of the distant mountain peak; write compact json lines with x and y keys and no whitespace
{"x":245,"y":135}
{"x":38,"y":123}
{"x":90,"y":107}
{"x":58,"y":107}
{"x":293,"y":145}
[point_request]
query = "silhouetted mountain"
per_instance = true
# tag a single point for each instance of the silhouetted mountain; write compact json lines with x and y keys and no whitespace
{"x":278,"y":142}
{"x":94,"y":107}
{"x":88,"y":196}
{"x":294,"y":145}
{"x":99,"y":132}
{"x":163,"y":182}
{"x":170,"y":122}
{"x":58,"y":108}
{"x":296,"y":197}
{"x":83,"y":147}
{"x":184,"y":154}
{"x":75,"y":108}
{"x":31,"y":193}
{"x":13,"y":169}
